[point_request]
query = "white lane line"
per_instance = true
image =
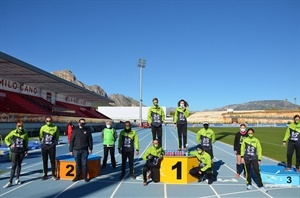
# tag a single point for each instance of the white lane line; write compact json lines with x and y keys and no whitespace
{"x":214,"y":146}
{"x":120,"y":183}
{"x":212,"y":188}
{"x":65,"y":190}
{"x":165,"y":191}
{"x":39,"y":163}
{"x":234,"y":170}
{"x":22,"y":185}
{"x":165,"y":144}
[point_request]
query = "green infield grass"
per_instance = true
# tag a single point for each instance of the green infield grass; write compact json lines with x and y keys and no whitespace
{"x":270,"y":139}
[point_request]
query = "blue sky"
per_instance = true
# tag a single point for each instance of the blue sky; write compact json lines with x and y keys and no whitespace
{"x":210,"y":53}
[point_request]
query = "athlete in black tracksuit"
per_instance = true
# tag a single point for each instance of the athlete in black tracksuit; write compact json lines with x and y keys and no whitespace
{"x":49,"y":136}
{"x":180,"y":121}
{"x":239,"y":137}
{"x":292,"y":136}
{"x":251,"y":155}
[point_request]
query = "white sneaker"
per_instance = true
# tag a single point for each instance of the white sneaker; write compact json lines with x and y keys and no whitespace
{"x":249,"y":187}
{"x":7,"y":185}
{"x":17,"y":182}
{"x":263,"y":189}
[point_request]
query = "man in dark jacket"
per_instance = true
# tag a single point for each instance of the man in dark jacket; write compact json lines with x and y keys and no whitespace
{"x":81,"y":145}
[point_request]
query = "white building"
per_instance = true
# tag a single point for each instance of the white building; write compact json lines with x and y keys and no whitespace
{"x":118,"y":113}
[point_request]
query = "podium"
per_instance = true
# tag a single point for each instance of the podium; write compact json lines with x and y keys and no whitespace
{"x":175,"y":169}
{"x":66,"y":166}
{"x":276,"y":175}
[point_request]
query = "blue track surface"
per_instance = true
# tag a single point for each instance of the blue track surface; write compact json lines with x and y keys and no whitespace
{"x":108,"y":184}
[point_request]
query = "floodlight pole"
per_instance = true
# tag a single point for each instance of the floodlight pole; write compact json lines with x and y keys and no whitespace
{"x":141,"y":65}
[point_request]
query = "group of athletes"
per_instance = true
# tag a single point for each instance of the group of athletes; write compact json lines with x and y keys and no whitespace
{"x":246,"y":147}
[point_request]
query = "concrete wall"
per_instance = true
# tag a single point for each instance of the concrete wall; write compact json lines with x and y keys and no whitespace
{"x":125,"y":113}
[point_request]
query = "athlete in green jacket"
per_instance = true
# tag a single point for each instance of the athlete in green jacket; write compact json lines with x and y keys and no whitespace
{"x":49,"y":136}
{"x":109,"y":136}
{"x":17,"y":141}
{"x":180,"y":121}
{"x":206,"y":137}
{"x":292,"y":135}
{"x":156,"y":117}
{"x":251,"y":154}
{"x":205,"y":165}
{"x":152,"y":156}
{"x":128,"y":141}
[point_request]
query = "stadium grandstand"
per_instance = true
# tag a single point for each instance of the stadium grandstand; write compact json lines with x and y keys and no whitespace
{"x":29,"y":94}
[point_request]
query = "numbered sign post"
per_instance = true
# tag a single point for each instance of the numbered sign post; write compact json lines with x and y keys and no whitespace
{"x":277,"y":176}
{"x":66,"y":166}
{"x":175,"y":169}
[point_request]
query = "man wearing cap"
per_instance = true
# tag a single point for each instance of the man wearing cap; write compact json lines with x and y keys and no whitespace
{"x":206,"y":137}
{"x":204,"y":168}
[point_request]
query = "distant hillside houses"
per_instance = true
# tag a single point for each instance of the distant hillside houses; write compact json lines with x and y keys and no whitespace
{"x":249,"y":116}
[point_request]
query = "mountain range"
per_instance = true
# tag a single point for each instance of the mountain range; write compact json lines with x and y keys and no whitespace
{"x":122,"y":100}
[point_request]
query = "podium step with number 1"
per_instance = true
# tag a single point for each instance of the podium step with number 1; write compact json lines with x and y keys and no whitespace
{"x":175,"y":169}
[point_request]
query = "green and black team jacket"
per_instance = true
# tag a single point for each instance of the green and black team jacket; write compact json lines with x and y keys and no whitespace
{"x":128,"y":141}
{"x":292,"y":133}
{"x":155,"y":151}
{"x":156,"y":116}
{"x":180,"y":115}
{"x":251,"y":149}
{"x":49,"y":136}
{"x":203,"y":158}
{"x":19,"y":139}
{"x":206,"y":137}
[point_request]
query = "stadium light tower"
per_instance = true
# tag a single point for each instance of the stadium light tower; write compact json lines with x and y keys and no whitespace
{"x":141,"y":65}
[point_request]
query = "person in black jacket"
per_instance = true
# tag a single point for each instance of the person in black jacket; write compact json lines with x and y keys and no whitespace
{"x":81,"y":145}
{"x":239,"y":137}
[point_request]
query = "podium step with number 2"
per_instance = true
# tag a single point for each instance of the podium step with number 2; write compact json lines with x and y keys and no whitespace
{"x":66,"y":166}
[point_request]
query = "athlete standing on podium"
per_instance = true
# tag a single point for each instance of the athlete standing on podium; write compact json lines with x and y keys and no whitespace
{"x":180,"y":115}
{"x":156,"y":117}
{"x":81,"y":145}
{"x":292,"y":135}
